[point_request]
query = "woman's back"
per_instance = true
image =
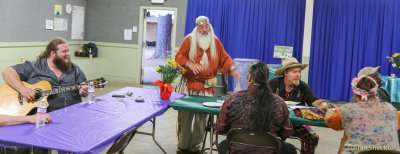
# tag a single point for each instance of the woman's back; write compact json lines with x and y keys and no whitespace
{"x":370,"y":126}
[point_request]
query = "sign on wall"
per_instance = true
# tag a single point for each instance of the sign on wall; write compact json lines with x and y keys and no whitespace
{"x":283,"y":51}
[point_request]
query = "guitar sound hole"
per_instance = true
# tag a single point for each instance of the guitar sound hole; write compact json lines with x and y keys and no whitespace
{"x":38,"y":96}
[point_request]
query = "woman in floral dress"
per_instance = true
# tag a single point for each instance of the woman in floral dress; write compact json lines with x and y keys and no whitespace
{"x":368,"y":124}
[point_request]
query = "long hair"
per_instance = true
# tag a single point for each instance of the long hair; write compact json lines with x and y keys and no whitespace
{"x":262,"y":109}
{"x":52,"y":46}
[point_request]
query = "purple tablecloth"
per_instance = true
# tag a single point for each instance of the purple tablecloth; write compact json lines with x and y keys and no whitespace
{"x":90,"y":128}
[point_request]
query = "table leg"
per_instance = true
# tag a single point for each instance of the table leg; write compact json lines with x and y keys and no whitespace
{"x":152,"y":134}
{"x":211,"y":133}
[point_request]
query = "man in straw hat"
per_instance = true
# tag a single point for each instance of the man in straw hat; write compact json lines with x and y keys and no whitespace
{"x":291,"y":88}
{"x":203,"y":54}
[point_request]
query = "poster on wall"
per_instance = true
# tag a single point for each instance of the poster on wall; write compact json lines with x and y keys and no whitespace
{"x":49,"y":24}
{"x":127,"y":34}
{"x":283,"y":51}
{"x":60,"y":24}
{"x":78,"y":21}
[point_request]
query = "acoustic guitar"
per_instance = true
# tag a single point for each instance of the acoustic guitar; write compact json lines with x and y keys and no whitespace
{"x":12,"y":102}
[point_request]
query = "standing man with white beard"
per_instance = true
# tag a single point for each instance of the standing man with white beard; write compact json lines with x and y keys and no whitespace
{"x":291,"y":88}
{"x":203,"y":54}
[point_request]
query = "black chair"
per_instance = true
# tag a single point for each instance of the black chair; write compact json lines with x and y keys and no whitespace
{"x":256,"y":139}
{"x":380,"y":152}
{"x":123,"y":141}
{"x":302,"y":144}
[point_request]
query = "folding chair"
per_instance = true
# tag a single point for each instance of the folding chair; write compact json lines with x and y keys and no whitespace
{"x":380,"y":152}
{"x":123,"y":141}
{"x":257,"y":139}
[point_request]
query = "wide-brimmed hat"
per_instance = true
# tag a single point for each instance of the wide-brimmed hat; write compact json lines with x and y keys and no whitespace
{"x":289,"y":63}
{"x":368,"y":71}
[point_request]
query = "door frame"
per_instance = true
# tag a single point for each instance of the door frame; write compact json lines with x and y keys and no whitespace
{"x":142,"y":28}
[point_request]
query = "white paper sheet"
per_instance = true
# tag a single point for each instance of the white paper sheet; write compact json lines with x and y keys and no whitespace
{"x":60,"y":24}
{"x":78,"y":21}
{"x":49,"y":24}
{"x":127,"y":34}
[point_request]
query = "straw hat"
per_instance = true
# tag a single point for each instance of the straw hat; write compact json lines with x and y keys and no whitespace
{"x":289,"y":63}
{"x":368,"y":71}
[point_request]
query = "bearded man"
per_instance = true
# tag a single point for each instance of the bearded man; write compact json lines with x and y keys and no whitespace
{"x":291,"y":88}
{"x":53,"y":65}
{"x":203,"y":54}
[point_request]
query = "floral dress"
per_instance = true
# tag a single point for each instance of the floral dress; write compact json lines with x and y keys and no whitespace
{"x":366,"y":125}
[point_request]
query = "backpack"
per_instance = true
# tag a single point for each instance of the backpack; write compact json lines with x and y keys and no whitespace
{"x":86,"y":50}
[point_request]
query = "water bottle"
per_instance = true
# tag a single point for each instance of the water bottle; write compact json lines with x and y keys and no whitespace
{"x":90,"y":53}
{"x":41,"y":112}
{"x":91,"y":92}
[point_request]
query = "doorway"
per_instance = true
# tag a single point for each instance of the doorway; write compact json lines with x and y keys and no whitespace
{"x":157,"y":40}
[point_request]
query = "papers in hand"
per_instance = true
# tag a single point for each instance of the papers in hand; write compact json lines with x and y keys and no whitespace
{"x":218,"y":103}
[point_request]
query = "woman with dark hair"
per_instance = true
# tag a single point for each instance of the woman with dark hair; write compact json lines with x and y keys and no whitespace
{"x":369,"y":124}
{"x":256,"y":108}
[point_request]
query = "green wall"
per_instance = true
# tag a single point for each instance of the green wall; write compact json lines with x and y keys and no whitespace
{"x":115,"y":62}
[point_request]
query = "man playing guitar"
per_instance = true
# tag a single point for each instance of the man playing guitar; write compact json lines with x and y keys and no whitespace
{"x":53,"y":65}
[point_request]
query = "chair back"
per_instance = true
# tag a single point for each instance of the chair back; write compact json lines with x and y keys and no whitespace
{"x":380,"y":152}
{"x":257,"y":139}
{"x":123,"y":141}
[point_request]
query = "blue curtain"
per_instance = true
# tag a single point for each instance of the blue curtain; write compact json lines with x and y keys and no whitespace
{"x":348,"y":35}
{"x":251,"y":28}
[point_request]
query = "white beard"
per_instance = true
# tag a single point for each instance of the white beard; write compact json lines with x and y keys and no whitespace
{"x":203,"y":41}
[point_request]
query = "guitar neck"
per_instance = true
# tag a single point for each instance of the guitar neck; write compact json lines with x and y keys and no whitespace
{"x":72,"y":88}
{"x":60,"y":90}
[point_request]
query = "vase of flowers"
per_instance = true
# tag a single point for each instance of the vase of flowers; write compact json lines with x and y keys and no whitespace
{"x":395,"y":60}
{"x":169,"y":72}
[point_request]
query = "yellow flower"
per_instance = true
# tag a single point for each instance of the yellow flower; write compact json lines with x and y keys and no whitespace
{"x":395,"y":55}
{"x":158,"y":69}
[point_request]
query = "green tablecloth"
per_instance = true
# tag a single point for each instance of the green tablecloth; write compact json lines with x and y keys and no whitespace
{"x":194,"y":104}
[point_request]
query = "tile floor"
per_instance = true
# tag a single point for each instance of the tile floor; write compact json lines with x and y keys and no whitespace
{"x":166,"y":132}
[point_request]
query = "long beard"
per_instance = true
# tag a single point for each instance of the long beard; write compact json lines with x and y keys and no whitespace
{"x":61,"y":64}
{"x":203,"y":41}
